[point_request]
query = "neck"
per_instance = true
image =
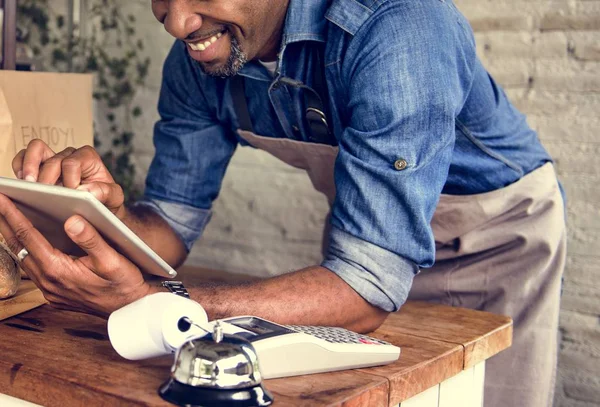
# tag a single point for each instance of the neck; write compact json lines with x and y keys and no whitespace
{"x":273,"y":45}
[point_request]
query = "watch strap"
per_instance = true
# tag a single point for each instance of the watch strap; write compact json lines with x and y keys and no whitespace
{"x":176,"y":287}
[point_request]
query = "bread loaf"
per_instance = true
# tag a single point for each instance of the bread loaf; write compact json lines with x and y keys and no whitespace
{"x":10,"y":275}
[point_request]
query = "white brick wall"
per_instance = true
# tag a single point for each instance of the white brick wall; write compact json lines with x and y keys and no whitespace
{"x":546,"y":53}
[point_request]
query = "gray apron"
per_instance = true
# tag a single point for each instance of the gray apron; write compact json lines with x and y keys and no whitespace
{"x":501,"y":251}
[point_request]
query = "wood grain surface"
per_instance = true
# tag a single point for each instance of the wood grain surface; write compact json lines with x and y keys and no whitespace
{"x":345,"y":388}
{"x":61,"y":358}
{"x":28,"y":297}
{"x":423,"y":363}
{"x":482,"y":334}
{"x":67,"y":360}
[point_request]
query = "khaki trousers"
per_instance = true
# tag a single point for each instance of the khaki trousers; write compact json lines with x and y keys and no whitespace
{"x":502,"y":252}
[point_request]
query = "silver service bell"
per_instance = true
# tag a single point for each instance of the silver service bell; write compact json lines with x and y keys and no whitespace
{"x":216,"y":370}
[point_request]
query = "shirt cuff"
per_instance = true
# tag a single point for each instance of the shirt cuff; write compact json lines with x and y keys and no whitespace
{"x":187,"y":221}
{"x":381,"y":277}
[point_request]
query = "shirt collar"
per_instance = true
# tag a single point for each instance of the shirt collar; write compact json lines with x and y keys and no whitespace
{"x":305,"y":21}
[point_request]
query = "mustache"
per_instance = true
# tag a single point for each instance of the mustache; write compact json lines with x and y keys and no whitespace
{"x":204,"y":34}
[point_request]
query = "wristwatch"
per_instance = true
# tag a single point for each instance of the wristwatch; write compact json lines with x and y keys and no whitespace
{"x":176,"y":287}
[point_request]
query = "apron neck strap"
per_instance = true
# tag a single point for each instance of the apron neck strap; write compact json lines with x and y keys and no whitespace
{"x":315,"y":109}
{"x":238,"y":93}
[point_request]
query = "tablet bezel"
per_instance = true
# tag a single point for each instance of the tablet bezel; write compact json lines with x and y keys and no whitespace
{"x":49,"y":206}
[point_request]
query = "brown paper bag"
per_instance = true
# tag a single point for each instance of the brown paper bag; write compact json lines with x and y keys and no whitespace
{"x":54,"y":107}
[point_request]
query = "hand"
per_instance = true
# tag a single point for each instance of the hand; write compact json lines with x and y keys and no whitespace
{"x":80,"y":168}
{"x":99,"y":283}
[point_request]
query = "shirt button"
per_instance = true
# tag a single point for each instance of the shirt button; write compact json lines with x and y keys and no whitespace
{"x":400,"y":164}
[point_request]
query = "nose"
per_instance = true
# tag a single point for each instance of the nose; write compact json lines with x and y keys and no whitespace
{"x":181,"y":20}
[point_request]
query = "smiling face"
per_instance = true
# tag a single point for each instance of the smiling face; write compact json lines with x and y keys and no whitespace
{"x":223,"y":34}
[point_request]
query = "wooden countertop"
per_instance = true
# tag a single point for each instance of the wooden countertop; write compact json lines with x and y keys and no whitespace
{"x":61,"y":358}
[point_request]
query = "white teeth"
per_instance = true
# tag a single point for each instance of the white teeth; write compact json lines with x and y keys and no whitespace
{"x":201,"y":46}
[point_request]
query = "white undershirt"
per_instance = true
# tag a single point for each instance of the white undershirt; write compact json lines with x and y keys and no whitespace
{"x":271,"y":66}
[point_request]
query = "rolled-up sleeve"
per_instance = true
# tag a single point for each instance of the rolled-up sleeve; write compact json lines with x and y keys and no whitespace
{"x":406,"y":76}
{"x":187,"y":221}
{"x":192,"y":149}
{"x":380,"y":276}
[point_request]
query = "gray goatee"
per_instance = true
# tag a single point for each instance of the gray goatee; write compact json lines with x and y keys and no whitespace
{"x":236,"y":61}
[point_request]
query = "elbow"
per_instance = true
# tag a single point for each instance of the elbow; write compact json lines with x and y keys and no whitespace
{"x":369,"y":321}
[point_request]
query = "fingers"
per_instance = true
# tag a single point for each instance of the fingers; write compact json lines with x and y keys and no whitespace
{"x":51,"y":169}
{"x":100,"y":282}
{"x":42,"y":262}
{"x":17,"y":164}
{"x":27,"y":162}
{"x":111,"y":195}
{"x":12,"y":242}
{"x":19,"y":232}
{"x":39,"y":163}
{"x":106,"y":262}
{"x":84,"y":165}
{"x":28,"y":264}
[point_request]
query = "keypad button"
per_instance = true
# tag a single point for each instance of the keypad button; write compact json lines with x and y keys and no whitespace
{"x":336,"y":335}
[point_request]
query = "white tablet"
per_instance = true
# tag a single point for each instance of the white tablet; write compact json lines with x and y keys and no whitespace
{"x":49,"y":206}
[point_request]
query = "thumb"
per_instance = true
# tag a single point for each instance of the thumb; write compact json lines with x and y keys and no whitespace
{"x":105,"y":259}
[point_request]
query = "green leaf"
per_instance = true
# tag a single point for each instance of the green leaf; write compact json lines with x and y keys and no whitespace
{"x":91,"y":63}
{"x":127,"y":136}
{"x":58,"y":55}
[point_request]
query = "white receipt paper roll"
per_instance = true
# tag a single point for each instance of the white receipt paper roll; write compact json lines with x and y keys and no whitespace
{"x":150,"y":326}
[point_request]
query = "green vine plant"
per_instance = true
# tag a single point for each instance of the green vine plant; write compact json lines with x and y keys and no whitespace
{"x":109,"y":48}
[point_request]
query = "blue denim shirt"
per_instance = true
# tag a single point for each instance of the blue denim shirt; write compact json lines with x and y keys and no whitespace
{"x":403,"y":82}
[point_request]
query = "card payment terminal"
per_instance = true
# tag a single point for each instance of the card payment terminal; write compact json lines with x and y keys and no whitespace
{"x":290,"y":350}
{"x":159,"y":324}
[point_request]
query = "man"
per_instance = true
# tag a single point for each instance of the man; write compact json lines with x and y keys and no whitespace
{"x":387,"y":107}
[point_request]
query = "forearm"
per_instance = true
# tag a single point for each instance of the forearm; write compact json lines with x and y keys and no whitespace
{"x":312,"y":296}
{"x":156,"y":233}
